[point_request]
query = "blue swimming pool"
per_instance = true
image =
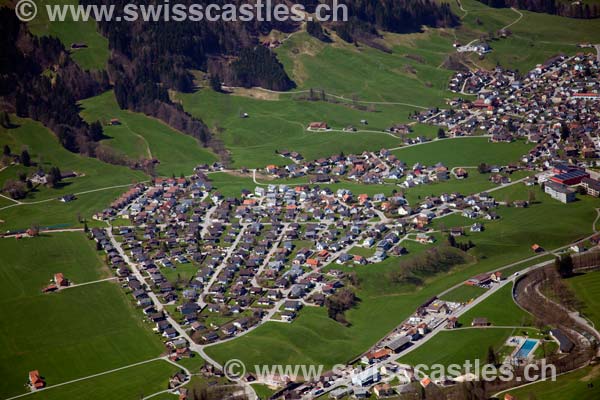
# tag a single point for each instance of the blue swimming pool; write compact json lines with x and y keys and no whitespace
{"x":526,"y":348}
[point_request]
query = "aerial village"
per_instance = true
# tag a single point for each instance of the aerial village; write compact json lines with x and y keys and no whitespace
{"x":205,"y":268}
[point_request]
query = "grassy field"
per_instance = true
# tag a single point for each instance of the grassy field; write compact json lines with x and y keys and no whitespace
{"x":409,"y":73}
{"x":455,"y":347}
{"x":467,"y":152}
{"x":46,"y":151}
{"x":535,"y":37}
{"x":56,"y":214}
{"x":141,"y":136}
{"x":463,"y":293}
{"x":500,"y":310}
{"x":131,"y":383}
{"x":583,"y":384}
{"x":94,"y":56}
{"x":279,"y":125}
{"x":586,"y":287}
{"x":70,"y":334}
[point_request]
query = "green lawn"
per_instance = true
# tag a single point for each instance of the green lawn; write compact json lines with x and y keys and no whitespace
{"x":582,"y":384}
{"x":464,"y":152}
{"x":455,"y":347}
{"x":94,"y":57}
{"x":70,"y":334}
{"x":500,"y":310}
{"x":142,"y":136}
{"x":55,"y":213}
{"x":587,"y":288}
{"x":463,"y":293}
{"x":131,"y":383}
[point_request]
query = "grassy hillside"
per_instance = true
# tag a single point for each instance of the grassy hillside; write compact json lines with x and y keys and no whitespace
{"x":67,"y":335}
{"x":98,"y":184}
{"x":140,"y":136}
{"x":130,"y":383}
{"x":46,"y":151}
{"x":281,"y":124}
{"x":582,"y":384}
{"x":409,"y":73}
{"x":586,"y":287}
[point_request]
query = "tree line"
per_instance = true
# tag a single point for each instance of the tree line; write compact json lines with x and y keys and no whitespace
{"x":576,"y":9}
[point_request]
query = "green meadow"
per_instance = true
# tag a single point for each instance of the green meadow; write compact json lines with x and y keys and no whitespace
{"x":70,"y":334}
{"x":463,"y":152}
{"x":500,"y":309}
{"x":131,"y":383}
{"x":583,"y":384}
{"x":46,"y":152}
{"x":281,"y":125}
{"x":586,"y":287}
{"x":456,"y":347}
{"x":534,"y":38}
{"x":409,"y":73}
{"x":140,"y":136}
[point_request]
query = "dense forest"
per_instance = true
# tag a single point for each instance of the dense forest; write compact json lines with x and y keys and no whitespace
{"x":39,"y":80}
{"x":399,"y":16}
{"x":579,"y":9}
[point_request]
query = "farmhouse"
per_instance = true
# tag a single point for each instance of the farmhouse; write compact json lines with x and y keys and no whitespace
{"x":480,"y":321}
{"x":60,"y":280}
{"x":318,"y":126}
{"x":35,"y":380}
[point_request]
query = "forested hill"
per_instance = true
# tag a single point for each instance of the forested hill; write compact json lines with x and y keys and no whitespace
{"x":402,"y":16}
{"x":578,"y":9}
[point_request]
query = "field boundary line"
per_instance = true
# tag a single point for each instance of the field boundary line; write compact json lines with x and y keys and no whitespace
{"x":87,"y":377}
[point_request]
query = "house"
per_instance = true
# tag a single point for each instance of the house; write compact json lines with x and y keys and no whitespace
{"x":60,"y":280}
{"x":35,"y":380}
{"x":374,"y":356}
{"x":559,"y":192}
{"x":383,"y":390}
{"x":536,"y":248}
{"x":480,"y":321}
{"x":318,"y":126}
{"x":591,"y":186}
{"x":67,"y":198}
